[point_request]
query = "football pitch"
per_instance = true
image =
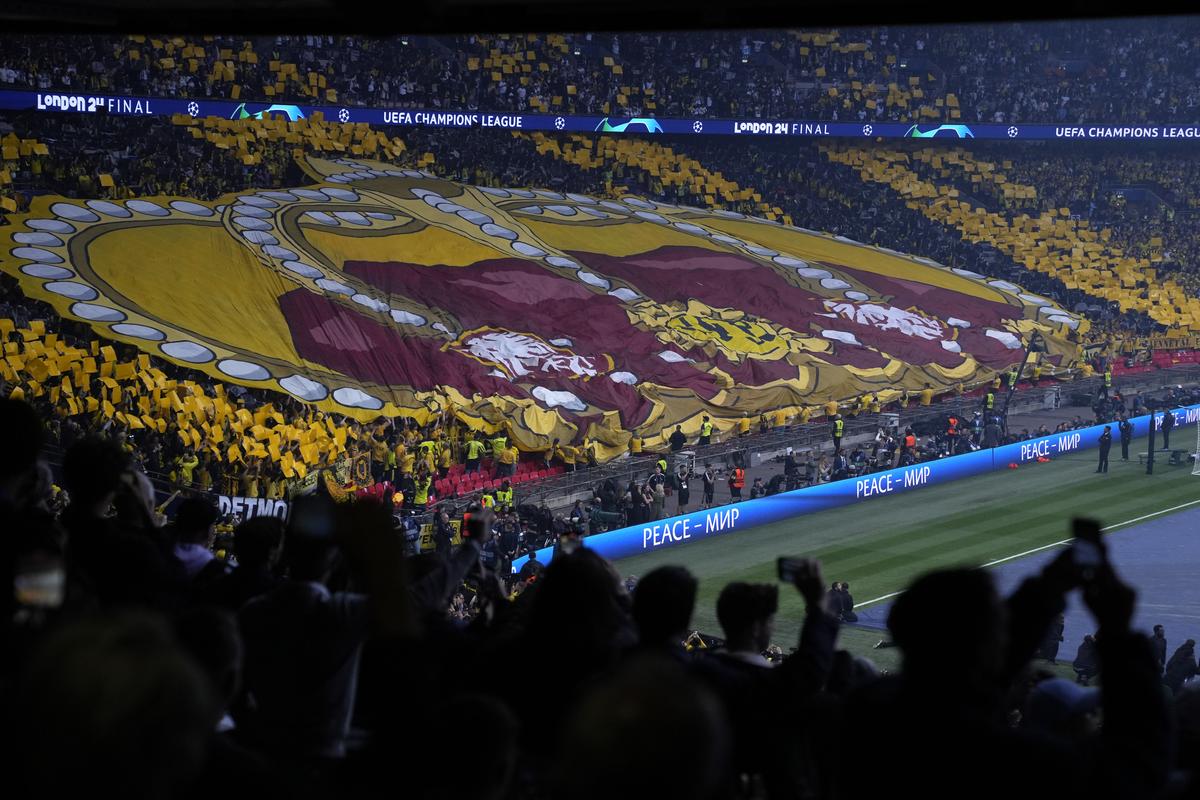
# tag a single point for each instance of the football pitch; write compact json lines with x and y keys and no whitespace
{"x":881,"y":545}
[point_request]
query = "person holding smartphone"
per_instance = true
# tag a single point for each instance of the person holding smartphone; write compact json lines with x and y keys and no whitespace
{"x":943,"y":728}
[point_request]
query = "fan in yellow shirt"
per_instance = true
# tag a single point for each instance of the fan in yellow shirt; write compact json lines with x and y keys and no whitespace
{"x":566,"y":453}
{"x":506,"y":462}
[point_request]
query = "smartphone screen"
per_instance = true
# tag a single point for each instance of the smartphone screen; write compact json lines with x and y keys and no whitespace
{"x":1087,"y":554}
{"x":1087,"y":549}
{"x":40,"y":583}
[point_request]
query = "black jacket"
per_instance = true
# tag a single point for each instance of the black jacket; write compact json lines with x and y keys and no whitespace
{"x":939,"y":738}
{"x":766,"y":706}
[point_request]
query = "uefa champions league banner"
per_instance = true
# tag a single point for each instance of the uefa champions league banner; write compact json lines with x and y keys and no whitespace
{"x":438,"y":118}
{"x":733,"y":519}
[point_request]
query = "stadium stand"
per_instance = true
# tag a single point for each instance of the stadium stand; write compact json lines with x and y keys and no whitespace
{"x":318,"y":656}
{"x":1001,"y":72}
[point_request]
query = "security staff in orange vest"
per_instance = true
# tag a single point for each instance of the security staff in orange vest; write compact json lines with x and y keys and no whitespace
{"x":839,"y":427}
{"x":737,"y":481}
{"x":952,"y":433}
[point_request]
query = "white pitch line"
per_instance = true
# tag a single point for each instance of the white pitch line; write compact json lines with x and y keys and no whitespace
{"x":1105,"y":529}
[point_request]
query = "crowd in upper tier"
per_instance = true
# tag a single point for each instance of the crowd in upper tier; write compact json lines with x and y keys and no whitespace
{"x":1116,"y":70}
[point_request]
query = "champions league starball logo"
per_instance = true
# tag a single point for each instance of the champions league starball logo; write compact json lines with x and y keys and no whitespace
{"x":646,"y":124}
{"x":293,"y":113}
{"x":941,"y":131}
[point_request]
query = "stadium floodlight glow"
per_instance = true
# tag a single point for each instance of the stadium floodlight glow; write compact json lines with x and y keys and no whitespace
{"x":961,"y":131}
{"x":293,"y":112}
{"x":649,"y":125}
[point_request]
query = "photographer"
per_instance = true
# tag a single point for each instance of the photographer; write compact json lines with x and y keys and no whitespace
{"x":765,"y":701}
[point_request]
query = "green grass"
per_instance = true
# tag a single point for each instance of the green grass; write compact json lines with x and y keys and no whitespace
{"x":880,"y":545}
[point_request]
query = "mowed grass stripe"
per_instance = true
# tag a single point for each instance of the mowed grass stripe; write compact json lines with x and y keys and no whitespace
{"x":881,"y":544}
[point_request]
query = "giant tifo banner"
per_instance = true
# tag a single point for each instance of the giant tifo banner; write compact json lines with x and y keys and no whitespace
{"x":451,"y":118}
{"x":377,"y":291}
{"x":733,"y":519}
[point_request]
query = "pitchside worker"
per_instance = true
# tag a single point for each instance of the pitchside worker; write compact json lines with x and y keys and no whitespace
{"x":839,"y":427}
{"x":737,"y":481}
{"x":1167,"y":424}
{"x":1107,"y":380}
{"x":989,"y":401}
{"x":710,"y":485}
{"x":678,"y":439}
{"x":706,"y":429}
{"x":1105,"y":444}
{"x":1126,"y":429}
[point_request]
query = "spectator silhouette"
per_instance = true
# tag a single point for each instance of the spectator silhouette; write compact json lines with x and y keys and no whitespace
{"x":766,"y":703}
{"x":662,"y":609}
{"x":113,"y":702}
{"x":303,"y":644}
{"x":577,"y":627}
{"x":258,"y":546}
{"x":112,"y":559}
{"x":1087,"y":660}
{"x":649,"y":731}
{"x":1181,"y":666}
{"x":193,"y":531}
{"x":1159,"y":641}
{"x":948,"y":727}
{"x":492,"y":767}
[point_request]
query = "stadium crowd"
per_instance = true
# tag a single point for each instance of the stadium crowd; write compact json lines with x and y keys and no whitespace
{"x":338,"y":654}
{"x":1043,"y":72}
{"x":135,"y":660}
